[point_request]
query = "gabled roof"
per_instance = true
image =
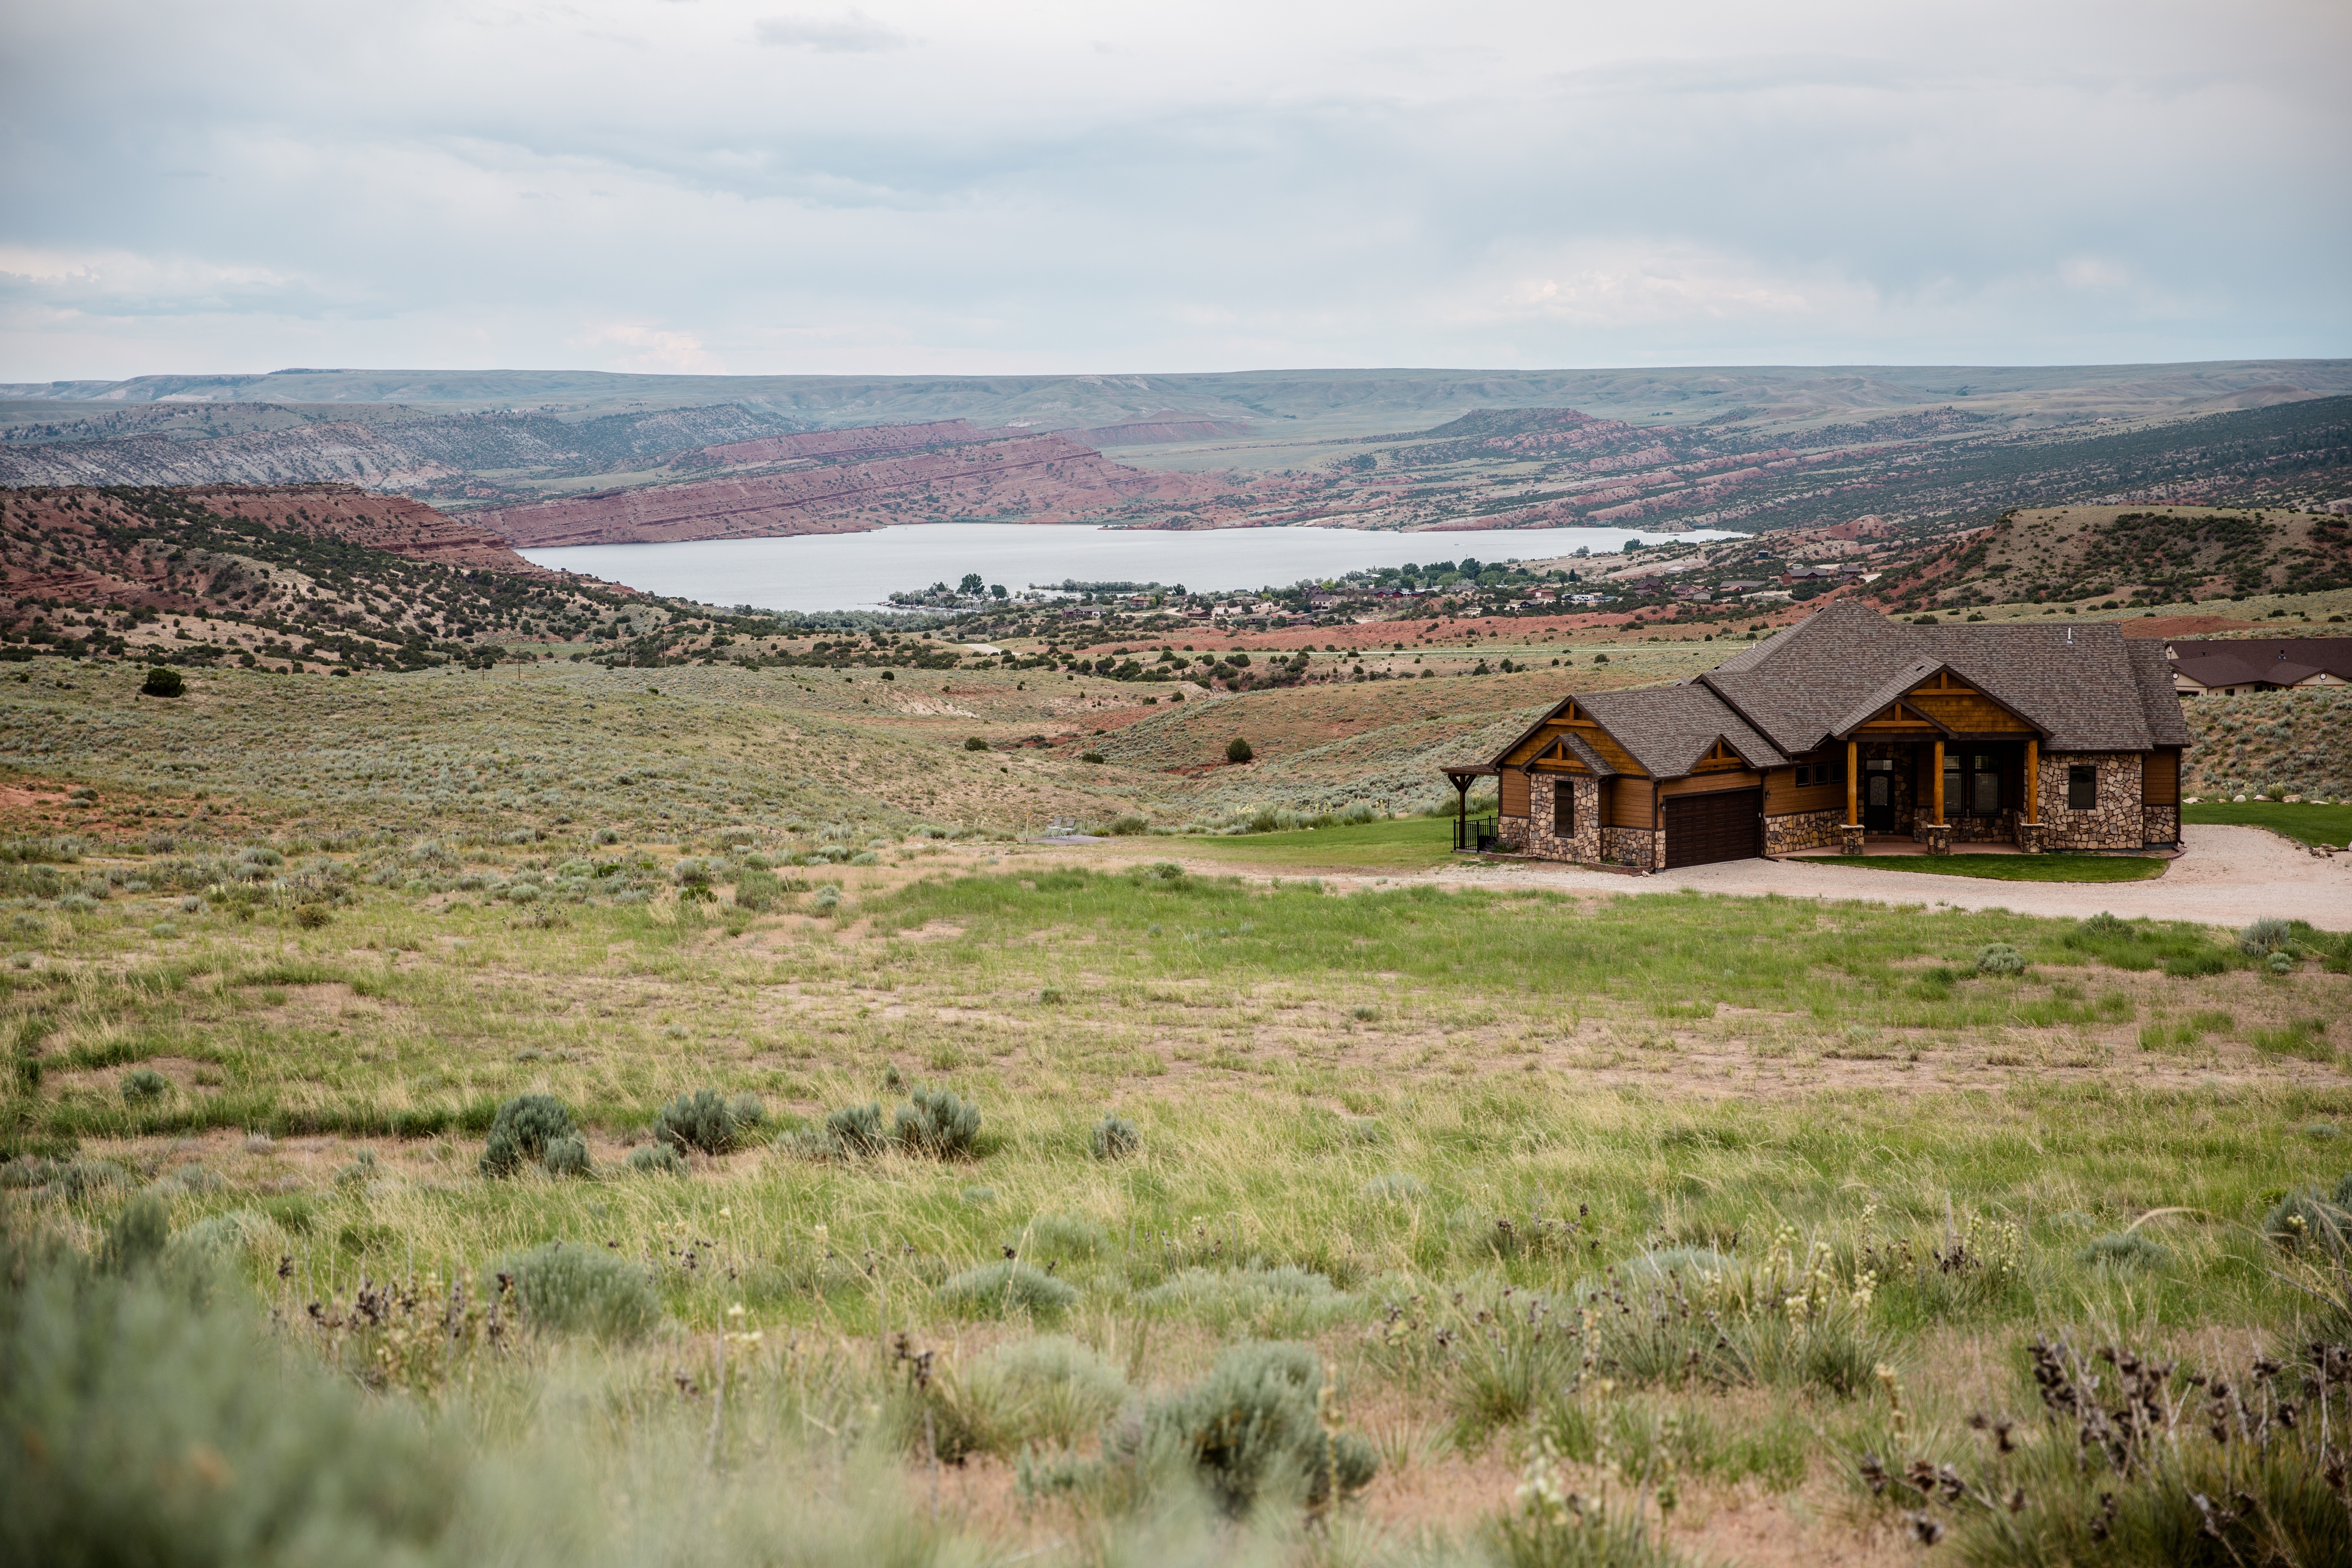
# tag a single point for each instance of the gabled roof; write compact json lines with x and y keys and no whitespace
{"x":2084,"y":687}
{"x":1576,"y":746}
{"x":1670,"y":728}
{"x":2333,"y":655}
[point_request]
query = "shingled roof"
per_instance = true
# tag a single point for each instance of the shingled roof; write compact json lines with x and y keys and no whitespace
{"x":1669,"y":728}
{"x":2085,"y":686}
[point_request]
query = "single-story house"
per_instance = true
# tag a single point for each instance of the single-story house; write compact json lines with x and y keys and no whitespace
{"x":2226,"y":669}
{"x":1847,"y":725}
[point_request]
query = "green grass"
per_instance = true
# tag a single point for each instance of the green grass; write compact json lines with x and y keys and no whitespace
{"x":2304,"y":824}
{"x":1405,"y":844}
{"x":2009,"y":867}
{"x":1338,"y":1100}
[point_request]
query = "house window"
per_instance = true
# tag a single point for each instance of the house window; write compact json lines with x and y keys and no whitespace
{"x":1563,"y":807}
{"x":1972,"y":784}
{"x":2082,"y":789}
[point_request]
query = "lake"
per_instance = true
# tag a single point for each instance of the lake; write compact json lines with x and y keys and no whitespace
{"x":813,"y":571}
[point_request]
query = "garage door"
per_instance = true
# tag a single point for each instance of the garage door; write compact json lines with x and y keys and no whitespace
{"x":1705,"y":827}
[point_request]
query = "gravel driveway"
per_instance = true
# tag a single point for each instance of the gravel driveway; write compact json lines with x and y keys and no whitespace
{"x":2229,"y":876}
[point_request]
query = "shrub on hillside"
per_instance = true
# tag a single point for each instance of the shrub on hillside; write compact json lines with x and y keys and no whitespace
{"x":2265,"y":937}
{"x":936,"y":1122}
{"x":144,"y":1086}
{"x":1000,"y":1288}
{"x":709,"y":1120}
{"x":1114,"y":1138}
{"x":145,"y":1426}
{"x":570,"y":1289}
{"x":757,"y":887}
{"x":163,"y":681}
{"x":522,"y":1131}
{"x":2000,"y":958}
{"x":656,"y":1159}
{"x":1238,"y":750}
{"x":1253,"y":1429}
{"x":1045,"y":1390}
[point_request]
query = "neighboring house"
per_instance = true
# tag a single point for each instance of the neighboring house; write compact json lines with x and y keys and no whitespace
{"x":2229,"y":669}
{"x":1849,"y":724}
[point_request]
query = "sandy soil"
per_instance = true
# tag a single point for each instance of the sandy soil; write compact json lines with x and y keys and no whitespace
{"x":2229,"y":876}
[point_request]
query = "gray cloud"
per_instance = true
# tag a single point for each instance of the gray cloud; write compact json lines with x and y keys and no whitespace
{"x":1230,"y":186}
{"x":850,"y":33}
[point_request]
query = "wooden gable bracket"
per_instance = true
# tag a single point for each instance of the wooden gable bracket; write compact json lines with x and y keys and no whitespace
{"x":1719,"y":758}
{"x":1900,"y":717}
{"x":1968,"y":709}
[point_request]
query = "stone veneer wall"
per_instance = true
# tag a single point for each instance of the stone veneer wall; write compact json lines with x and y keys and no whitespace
{"x":1510,"y":832}
{"x":1999,"y":829}
{"x":1639,"y":846}
{"x":1584,"y":844}
{"x":1802,"y":830}
{"x":2159,"y":823}
{"x":2115,"y":823}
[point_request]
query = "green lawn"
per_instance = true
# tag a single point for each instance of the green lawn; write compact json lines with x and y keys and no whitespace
{"x":1405,"y":844}
{"x":2009,"y":867}
{"x":2304,"y":824}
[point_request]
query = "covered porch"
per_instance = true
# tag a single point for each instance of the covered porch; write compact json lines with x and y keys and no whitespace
{"x":1940,"y":796}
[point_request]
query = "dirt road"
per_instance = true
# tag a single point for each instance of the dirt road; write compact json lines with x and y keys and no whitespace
{"x":2229,"y":876}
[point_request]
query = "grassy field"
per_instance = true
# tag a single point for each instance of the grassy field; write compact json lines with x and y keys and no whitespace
{"x":2305,"y":824}
{"x":1402,"y":845}
{"x":413,"y":1153}
{"x":2009,"y":867}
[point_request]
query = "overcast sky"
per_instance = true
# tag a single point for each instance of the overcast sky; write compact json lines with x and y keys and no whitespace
{"x":904,"y":186}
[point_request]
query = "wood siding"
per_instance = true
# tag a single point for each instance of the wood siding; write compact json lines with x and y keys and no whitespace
{"x":1630,"y":804}
{"x":1969,"y":714}
{"x":1708,"y":784}
{"x":1513,"y":792}
{"x":2159,"y":779}
{"x":1782,"y":797}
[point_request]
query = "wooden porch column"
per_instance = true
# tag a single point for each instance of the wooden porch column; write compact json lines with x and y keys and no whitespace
{"x":2033,"y":780}
{"x":1940,"y":783}
{"x":1854,"y":783}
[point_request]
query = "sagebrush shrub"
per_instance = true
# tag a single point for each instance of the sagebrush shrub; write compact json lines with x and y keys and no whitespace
{"x":709,"y":1120}
{"x":522,"y":1131}
{"x":656,"y":1159}
{"x":1114,"y":1138}
{"x":936,"y":1122}
{"x":572,"y":1289}
{"x":756,"y":888}
{"x":1050,"y":1389}
{"x":1059,"y":1236}
{"x":1253,"y":1428}
{"x":1005,"y":1287}
{"x":2000,"y":958}
{"x":856,"y":1129}
{"x":2265,"y":937}
{"x":167,"y":1430}
{"x":144,"y":1086}
{"x":2307,"y":1221}
{"x":2125,"y":1248}
{"x":568,"y":1156}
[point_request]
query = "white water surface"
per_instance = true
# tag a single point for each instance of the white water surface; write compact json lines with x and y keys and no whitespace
{"x":816,"y":571}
